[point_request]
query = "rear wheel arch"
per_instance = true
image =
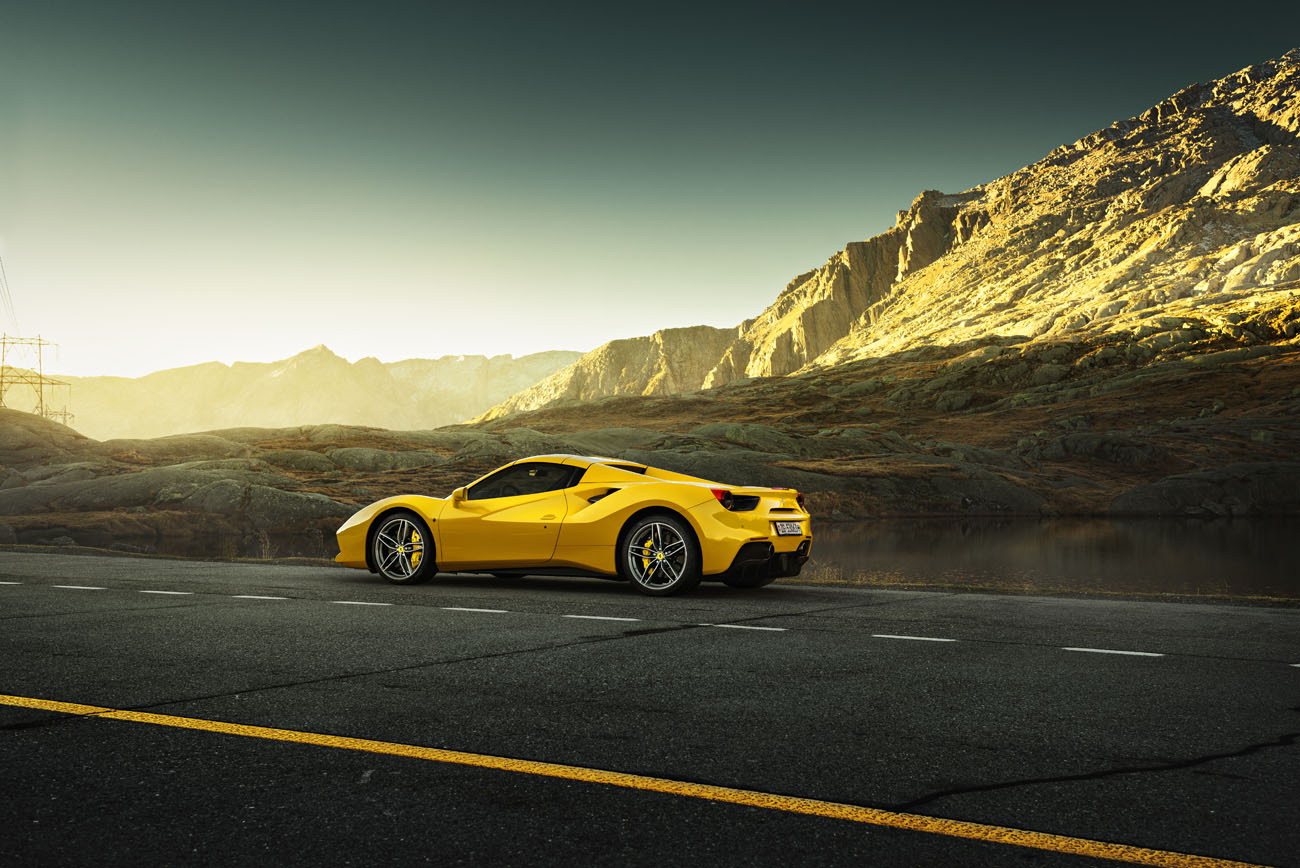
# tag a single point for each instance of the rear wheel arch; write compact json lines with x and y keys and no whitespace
{"x":663,"y":512}
{"x":632,"y":519}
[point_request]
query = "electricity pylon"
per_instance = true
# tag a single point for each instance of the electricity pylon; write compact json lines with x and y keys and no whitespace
{"x":28,"y":350}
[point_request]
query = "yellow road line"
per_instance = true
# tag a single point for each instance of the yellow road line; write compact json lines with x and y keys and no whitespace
{"x":751,"y":798}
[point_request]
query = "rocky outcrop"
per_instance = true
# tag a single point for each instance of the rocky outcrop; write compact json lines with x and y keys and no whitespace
{"x":313,"y":387}
{"x":26,"y":439}
{"x":246,"y":495}
{"x":817,"y":309}
{"x":1246,"y":489}
{"x":668,"y":361}
{"x":1191,"y":209}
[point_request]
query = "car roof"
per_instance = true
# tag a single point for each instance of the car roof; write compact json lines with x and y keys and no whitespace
{"x":648,"y":473}
{"x":578,"y":460}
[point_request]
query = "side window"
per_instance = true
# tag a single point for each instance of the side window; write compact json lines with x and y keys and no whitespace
{"x":530,"y":478}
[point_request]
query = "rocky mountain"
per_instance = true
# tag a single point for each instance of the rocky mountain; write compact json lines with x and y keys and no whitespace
{"x":668,"y":361}
{"x":313,"y":387}
{"x":1190,"y":211}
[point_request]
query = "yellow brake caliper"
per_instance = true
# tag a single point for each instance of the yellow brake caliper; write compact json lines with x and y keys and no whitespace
{"x":415,"y":556}
{"x":649,"y":546}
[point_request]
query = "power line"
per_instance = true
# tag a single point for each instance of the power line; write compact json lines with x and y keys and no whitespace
{"x":6,"y":299}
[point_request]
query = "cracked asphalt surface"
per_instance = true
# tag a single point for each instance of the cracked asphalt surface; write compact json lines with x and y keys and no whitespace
{"x":843,"y":697}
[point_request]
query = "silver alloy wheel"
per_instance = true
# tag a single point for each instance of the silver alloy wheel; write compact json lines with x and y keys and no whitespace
{"x":657,"y":556}
{"x":399,"y":548}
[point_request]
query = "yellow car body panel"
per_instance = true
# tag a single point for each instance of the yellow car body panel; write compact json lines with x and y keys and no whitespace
{"x":517,"y":531}
{"x":578,"y":527}
{"x":353,"y":535}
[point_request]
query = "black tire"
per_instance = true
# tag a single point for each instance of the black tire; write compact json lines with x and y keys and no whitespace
{"x":658,"y":554}
{"x":756,"y":579}
{"x":401,"y":548}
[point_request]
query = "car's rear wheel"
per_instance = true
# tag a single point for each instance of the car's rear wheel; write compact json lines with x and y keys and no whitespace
{"x":659,"y":555}
{"x":401,"y":549}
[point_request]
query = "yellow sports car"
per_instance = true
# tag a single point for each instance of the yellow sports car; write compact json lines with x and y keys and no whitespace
{"x":573,"y":515}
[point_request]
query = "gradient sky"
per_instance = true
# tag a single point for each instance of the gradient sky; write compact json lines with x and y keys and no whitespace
{"x":184,"y":182}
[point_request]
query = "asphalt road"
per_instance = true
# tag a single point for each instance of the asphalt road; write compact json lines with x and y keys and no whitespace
{"x":833,"y":694}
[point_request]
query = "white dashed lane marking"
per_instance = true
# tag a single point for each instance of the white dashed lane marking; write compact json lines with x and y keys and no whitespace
{"x":747,"y":627}
{"x":599,"y":618}
{"x":754,"y":627}
{"x":914,"y":638}
{"x":1113,"y":651}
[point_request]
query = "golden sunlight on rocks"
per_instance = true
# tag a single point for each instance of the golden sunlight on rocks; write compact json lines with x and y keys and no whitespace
{"x":1188,"y":212}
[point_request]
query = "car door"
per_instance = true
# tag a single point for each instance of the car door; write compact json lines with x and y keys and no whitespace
{"x":509,"y":519}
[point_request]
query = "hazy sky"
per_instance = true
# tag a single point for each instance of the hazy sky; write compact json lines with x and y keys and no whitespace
{"x":182,"y":182}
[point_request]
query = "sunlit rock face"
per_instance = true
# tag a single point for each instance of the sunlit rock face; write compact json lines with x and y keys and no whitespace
{"x":315,"y":386}
{"x":1191,"y":209}
{"x":666,"y":362}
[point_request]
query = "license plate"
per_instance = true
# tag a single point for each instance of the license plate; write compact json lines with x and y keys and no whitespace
{"x":788,"y":528}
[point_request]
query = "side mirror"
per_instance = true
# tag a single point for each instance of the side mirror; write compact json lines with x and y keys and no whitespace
{"x":457,"y":496}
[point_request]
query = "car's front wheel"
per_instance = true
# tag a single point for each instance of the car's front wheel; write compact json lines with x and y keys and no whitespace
{"x":401,"y":549}
{"x":659,"y":555}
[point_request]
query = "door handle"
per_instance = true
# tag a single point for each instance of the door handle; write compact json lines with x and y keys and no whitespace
{"x":550,"y":517}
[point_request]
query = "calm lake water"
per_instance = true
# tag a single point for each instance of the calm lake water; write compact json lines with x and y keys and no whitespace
{"x":1158,"y":556}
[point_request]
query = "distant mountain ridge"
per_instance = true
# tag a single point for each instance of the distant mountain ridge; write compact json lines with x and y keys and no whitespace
{"x":1185,"y":209}
{"x":313,"y":387}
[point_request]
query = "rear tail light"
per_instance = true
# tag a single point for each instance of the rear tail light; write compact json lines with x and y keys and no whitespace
{"x":798,"y":498}
{"x":735,"y":502}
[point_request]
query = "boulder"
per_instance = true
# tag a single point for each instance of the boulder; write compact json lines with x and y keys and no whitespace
{"x":378,"y":460}
{"x":170,"y":450}
{"x":240,"y":497}
{"x":150,"y":487}
{"x":299,"y":459}
{"x":27,"y":439}
{"x":511,"y":444}
{"x":1245,"y":489}
{"x":1049,"y":372}
{"x":77,"y":471}
{"x":869,"y":386}
{"x":267,"y":508}
{"x":760,"y":438}
{"x":612,"y":442}
{"x":953,"y":400}
{"x":1115,"y":448}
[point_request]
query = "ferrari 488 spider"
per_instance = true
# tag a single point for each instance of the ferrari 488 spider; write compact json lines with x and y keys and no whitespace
{"x":570,"y":515}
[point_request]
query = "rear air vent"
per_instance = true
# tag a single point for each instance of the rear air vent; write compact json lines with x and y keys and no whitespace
{"x":630,"y":468}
